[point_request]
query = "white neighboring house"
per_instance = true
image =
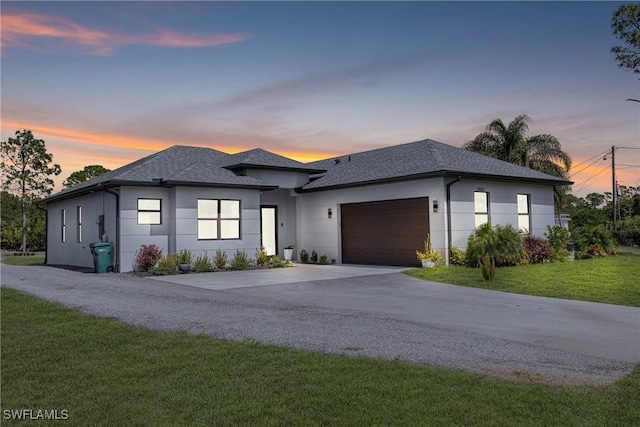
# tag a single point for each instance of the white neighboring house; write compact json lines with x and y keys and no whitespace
{"x":373,"y":207}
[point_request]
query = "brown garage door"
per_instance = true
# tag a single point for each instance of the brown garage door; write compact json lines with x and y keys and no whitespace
{"x":384,"y":233}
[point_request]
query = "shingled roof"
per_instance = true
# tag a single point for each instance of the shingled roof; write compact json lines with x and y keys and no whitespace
{"x":175,"y":165}
{"x":415,"y":160}
{"x":262,"y":159}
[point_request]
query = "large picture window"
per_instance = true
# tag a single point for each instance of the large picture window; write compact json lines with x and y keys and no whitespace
{"x":524,"y":218}
{"x":218,"y":219}
{"x":481,"y":203}
{"x":149,"y":211}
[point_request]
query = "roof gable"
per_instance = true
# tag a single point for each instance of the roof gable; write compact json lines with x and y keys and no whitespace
{"x":259,"y":158}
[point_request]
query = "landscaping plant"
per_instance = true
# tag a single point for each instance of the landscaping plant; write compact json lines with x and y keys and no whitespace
{"x":488,"y":267}
{"x":557,"y":239}
{"x":240,"y":261}
{"x":304,"y":256}
{"x":457,"y":256}
{"x":594,"y":241}
{"x":314,"y":257}
{"x":202,"y":264}
{"x":147,"y":257}
{"x":536,"y":249}
{"x":261,"y":257}
{"x":503,"y":244}
{"x":220,"y":260}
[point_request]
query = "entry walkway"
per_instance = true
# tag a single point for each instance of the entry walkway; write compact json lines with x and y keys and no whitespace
{"x":275,"y":276}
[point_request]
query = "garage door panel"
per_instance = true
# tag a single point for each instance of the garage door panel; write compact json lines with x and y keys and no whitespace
{"x":385,"y":232}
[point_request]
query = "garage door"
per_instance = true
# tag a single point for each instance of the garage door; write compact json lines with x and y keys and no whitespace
{"x":385,"y":232}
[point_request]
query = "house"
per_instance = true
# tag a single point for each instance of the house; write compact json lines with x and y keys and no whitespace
{"x":372,"y":207}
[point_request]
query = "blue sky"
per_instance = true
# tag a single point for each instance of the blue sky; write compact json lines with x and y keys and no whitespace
{"x":108,"y":83}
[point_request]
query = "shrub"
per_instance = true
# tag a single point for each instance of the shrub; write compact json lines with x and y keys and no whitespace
{"x":220,"y":260}
{"x":147,"y":257}
{"x":304,"y":256}
{"x":457,"y":256}
{"x":628,"y":233}
{"x":324,"y":260}
{"x":557,"y":239}
{"x":261,"y":257}
{"x":536,"y":249}
{"x":314,"y":257}
{"x":240,"y":261}
{"x":488,"y":267}
{"x":503,"y":244}
{"x":276,"y":262}
{"x":593,"y":241}
{"x":166,"y":265}
{"x":184,"y":257}
{"x":202,"y":264}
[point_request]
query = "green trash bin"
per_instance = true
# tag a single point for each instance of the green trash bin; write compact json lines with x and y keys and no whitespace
{"x":101,"y":252}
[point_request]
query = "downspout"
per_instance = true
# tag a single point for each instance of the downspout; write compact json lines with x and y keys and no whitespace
{"x":116,"y":268}
{"x":46,"y":231}
{"x":449,"y":236}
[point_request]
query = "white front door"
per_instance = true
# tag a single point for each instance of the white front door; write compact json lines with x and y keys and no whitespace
{"x":268,"y":228}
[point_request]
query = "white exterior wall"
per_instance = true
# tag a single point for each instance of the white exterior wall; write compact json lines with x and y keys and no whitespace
{"x":317,"y":232}
{"x":179,"y":228}
{"x":503,"y":209}
{"x":285,"y":201}
{"x":72,"y":252}
{"x":186,"y":221}
{"x":283,"y":179}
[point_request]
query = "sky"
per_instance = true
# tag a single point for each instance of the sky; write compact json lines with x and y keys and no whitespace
{"x":111,"y":82}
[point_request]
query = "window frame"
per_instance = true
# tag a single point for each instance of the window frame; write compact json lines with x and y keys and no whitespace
{"x":159,"y":211}
{"x":526,"y":214}
{"x":79,"y":223}
{"x":63,"y":224}
{"x":486,"y":212}
{"x":218,"y":219}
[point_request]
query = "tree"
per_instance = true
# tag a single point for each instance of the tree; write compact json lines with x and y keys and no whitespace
{"x":510,"y":143}
{"x":626,"y":27}
{"x":26,"y":169}
{"x":83,"y":175}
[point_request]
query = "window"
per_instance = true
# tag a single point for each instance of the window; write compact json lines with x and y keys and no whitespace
{"x":63,"y":220}
{"x":79,"y":211}
{"x":481,"y":203}
{"x":218,"y":219}
{"x":149,"y":211}
{"x":524,"y":219}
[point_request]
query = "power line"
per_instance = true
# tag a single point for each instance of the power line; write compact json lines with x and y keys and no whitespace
{"x":590,"y":164}
{"x":591,"y":178}
{"x":591,"y":158}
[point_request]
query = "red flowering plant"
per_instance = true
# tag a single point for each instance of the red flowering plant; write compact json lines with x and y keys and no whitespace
{"x":147,"y":256}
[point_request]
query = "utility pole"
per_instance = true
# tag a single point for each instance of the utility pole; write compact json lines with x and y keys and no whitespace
{"x":613,"y":181}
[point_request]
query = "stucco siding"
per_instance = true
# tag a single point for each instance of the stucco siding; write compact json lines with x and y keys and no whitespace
{"x":72,"y":252}
{"x":318,"y":232}
{"x":503,"y":208}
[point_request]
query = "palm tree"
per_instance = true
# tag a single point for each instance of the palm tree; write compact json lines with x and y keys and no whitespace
{"x":509,"y":143}
{"x":540,"y":152}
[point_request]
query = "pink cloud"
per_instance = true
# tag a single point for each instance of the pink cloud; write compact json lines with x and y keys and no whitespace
{"x":22,"y":30}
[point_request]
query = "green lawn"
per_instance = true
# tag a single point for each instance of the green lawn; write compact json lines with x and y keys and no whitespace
{"x":611,"y":280}
{"x":108,"y":374}
{"x":23,"y":260}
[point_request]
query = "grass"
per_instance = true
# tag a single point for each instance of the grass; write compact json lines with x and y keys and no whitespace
{"x":611,"y":280}
{"x":23,"y":260}
{"x":105,"y":373}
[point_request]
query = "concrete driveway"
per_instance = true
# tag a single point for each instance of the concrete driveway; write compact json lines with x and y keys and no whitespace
{"x":297,"y":273}
{"x":369,"y":313}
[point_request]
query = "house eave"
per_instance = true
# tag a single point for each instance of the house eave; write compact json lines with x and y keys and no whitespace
{"x":242,"y":166}
{"x":160,"y":183}
{"x":437,"y":174}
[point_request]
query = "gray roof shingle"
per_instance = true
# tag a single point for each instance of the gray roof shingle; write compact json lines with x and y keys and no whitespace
{"x":414,"y":160}
{"x":263,"y":159}
{"x":193,"y":165}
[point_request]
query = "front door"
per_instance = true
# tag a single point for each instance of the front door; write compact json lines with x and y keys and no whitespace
{"x":268,"y":229}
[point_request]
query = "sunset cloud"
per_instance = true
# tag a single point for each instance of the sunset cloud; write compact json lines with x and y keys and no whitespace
{"x":26,"y":30}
